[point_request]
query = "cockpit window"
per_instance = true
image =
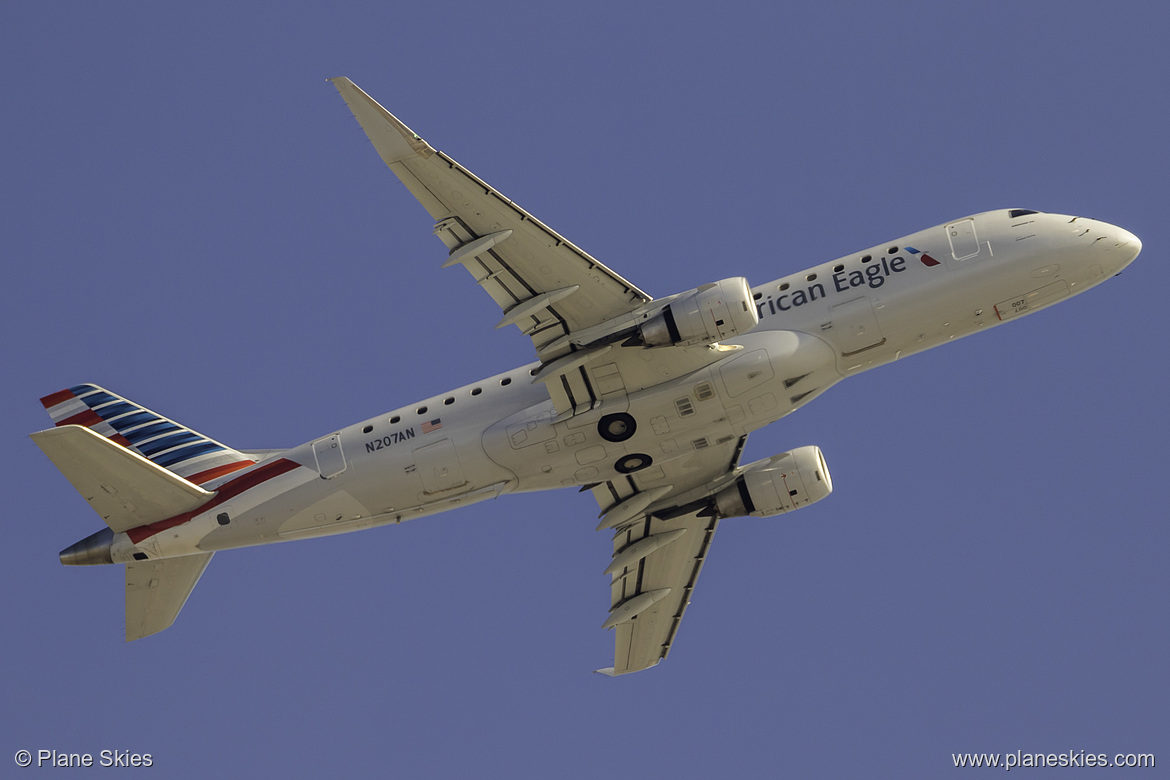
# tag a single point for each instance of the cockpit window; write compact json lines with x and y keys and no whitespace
{"x":1021,"y":213}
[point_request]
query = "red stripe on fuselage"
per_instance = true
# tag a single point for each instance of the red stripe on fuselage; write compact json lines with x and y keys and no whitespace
{"x":61,"y":396}
{"x":219,"y":471}
{"x":228,"y":491}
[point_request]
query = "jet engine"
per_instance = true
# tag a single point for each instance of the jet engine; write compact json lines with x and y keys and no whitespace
{"x":777,"y":485}
{"x":707,"y":314}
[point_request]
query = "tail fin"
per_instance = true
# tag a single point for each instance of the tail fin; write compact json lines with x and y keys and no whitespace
{"x":135,"y":467}
{"x":164,"y":442}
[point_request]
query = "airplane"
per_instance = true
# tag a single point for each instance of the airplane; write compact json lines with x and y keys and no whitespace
{"x":645,"y":402}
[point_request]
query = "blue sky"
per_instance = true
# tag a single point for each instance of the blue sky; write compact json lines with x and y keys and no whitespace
{"x":191,"y":217}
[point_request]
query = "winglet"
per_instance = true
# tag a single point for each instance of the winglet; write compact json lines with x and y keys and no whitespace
{"x":394,"y":141}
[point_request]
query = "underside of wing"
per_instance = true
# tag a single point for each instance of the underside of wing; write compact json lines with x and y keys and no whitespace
{"x":650,"y":594}
{"x":544,"y":284}
{"x":663,"y":529}
{"x":590,"y":326}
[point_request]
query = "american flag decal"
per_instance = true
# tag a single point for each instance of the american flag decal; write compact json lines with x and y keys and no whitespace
{"x":432,"y":425}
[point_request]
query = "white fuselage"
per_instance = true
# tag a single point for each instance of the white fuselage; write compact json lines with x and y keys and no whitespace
{"x":501,"y":435}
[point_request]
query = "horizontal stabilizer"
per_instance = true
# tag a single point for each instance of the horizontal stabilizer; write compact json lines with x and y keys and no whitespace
{"x":157,"y":590}
{"x":126,"y":489}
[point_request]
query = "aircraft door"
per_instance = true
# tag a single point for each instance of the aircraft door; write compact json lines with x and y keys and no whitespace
{"x":438,"y":466}
{"x":964,"y":240}
{"x":329,"y":455}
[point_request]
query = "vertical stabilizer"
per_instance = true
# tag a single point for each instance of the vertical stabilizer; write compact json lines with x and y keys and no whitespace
{"x":164,"y":442}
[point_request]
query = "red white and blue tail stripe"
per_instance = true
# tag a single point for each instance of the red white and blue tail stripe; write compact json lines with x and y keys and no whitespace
{"x":177,"y":448}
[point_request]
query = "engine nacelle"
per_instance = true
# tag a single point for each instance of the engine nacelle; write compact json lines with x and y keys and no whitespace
{"x":777,"y":485}
{"x":713,"y":312}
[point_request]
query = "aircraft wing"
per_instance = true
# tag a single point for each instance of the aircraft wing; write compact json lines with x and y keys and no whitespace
{"x":565,"y":300}
{"x":659,"y":553}
{"x":157,"y":590}
{"x":544,"y":284}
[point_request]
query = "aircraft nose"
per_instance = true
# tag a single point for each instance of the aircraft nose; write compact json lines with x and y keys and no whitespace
{"x":1131,"y":243}
{"x":1122,"y":247}
{"x":1111,"y":246}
